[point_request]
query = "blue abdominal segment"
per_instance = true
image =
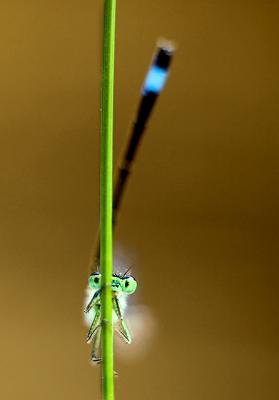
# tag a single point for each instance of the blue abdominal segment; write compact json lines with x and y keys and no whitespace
{"x":155,"y":80}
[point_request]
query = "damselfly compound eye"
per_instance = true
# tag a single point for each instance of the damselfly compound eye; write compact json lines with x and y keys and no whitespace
{"x":129,"y":284}
{"x":94,"y":280}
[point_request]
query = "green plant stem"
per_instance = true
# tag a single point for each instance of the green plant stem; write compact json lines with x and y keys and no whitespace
{"x":106,"y":197}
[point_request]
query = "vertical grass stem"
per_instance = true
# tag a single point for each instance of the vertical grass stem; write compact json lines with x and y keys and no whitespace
{"x":106,"y":196}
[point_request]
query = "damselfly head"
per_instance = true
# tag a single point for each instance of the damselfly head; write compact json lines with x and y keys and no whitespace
{"x":125,"y":284}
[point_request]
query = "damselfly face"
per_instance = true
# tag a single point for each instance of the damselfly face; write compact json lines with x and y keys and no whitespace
{"x":121,"y":284}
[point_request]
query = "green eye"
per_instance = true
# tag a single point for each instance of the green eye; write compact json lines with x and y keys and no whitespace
{"x":129,"y":285}
{"x":94,"y":280}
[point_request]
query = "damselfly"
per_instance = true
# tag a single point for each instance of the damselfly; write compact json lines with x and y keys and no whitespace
{"x":122,"y":286}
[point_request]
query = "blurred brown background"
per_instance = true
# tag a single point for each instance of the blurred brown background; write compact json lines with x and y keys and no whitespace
{"x":200,"y":216}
